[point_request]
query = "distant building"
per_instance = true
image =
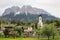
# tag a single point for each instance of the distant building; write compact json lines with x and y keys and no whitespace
{"x":28,"y":32}
{"x":28,"y":29}
{"x":40,"y":23}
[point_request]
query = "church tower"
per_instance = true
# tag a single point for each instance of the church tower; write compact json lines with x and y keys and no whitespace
{"x":40,"y":23}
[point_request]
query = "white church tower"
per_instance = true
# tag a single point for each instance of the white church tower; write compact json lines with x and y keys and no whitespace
{"x":40,"y":23}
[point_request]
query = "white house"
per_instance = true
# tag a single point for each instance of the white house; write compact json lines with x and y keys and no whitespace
{"x":28,"y":29}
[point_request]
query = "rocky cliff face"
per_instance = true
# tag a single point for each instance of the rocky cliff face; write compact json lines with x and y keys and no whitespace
{"x":26,"y":13}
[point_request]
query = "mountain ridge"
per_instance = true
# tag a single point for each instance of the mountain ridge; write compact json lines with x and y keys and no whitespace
{"x":27,"y":13}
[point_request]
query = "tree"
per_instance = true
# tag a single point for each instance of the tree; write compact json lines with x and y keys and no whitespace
{"x":54,"y":30}
{"x":19,"y":29}
{"x":6,"y":32}
{"x":13,"y":22}
{"x":0,"y":22}
{"x":18,"y":23}
{"x":47,"y":31}
{"x":35,"y":25}
{"x":50,"y":30}
{"x":57,"y":23}
{"x":39,"y":32}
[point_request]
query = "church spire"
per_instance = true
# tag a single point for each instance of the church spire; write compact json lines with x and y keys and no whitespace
{"x":40,"y":23}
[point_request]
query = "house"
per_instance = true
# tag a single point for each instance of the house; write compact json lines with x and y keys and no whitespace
{"x":28,"y":32}
{"x":28,"y":29}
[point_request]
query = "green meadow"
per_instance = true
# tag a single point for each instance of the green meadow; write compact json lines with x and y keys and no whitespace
{"x":23,"y":39}
{"x":28,"y":39}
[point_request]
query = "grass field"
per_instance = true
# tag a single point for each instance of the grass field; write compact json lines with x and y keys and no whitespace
{"x":27,"y":39}
{"x":20,"y":39}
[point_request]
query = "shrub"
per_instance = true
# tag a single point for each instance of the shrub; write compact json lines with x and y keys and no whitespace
{"x":1,"y":34}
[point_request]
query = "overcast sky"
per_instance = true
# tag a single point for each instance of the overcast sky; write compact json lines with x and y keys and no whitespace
{"x":52,"y":6}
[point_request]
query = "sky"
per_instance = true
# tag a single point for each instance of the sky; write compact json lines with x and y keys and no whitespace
{"x":51,"y":6}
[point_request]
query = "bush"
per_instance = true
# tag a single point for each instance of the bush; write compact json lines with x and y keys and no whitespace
{"x":19,"y":29}
{"x":1,"y":34}
{"x":14,"y":34}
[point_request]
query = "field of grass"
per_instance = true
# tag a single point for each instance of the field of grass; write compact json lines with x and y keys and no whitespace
{"x":27,"y":39}
{"x":18,"y":38}
{"x":4,"y":25}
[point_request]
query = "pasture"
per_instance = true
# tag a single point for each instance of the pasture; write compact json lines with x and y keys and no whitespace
{"x":28,"y":39}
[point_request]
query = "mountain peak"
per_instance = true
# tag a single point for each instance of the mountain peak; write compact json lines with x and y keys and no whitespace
{"x":27,"y":6}
{"x":25,"y":9}
{"x":26,"y":12}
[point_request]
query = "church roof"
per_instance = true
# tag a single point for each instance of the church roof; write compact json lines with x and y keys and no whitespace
{"x":40,"y":15}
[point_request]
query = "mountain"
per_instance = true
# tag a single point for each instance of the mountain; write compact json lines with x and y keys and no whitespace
{"x":27,"y":14}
